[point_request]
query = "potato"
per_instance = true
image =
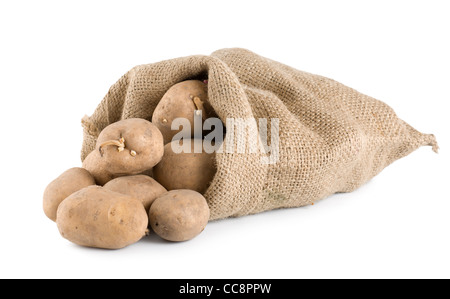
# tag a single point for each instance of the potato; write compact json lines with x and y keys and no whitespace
{"x":181,"y":100}
{"x":193,"y":171}
{"x":141,"y":187}
{"x":98,"y":217}
{"x":179,"y":215}
{"x":126,"y":147}
{"x":97,"y":167}
{"x":130,"y":146}
{"x":68,"y":182}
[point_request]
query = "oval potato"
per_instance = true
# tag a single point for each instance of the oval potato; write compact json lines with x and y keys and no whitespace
{"x":127,"y":147}
{"x":179,"y":215}
{"x":181,"y":101}
{"x":68,"y":182}
{"x":96,"y":166}
{"x":190,"y":170}
{"x":141,"y":187}
{"x":143,"y":146}
{"x":97,"y":217}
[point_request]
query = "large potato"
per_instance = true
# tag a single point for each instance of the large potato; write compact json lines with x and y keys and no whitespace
{"x":191,"y":170}
{"x":141,"y":187}
{"x":68,"y":182}
{"x":142,"y":146}
{"x":126,"y":147}
{"x":181,"y":101}
{"x":97,"y":217}
{"x":179,"y":215}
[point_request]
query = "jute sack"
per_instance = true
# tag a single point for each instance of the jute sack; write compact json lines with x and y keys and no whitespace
{"x":331,"y":138}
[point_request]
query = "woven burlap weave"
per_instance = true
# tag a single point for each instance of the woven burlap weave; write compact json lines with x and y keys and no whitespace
{"x":331,"y":137}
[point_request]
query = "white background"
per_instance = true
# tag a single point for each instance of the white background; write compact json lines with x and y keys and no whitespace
{"x":58,"y":60}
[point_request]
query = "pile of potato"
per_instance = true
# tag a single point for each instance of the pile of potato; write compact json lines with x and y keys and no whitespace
{"x":133,"y":182}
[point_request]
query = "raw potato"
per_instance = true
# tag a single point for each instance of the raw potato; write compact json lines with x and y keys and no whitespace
{"x":181,"y":100}
{"x":142,"y":146}
{"x":141,"y":187}
{"x":97,"y":167}
{"x":97,"y":217}
{"x":193,"y":171}
{"x":126,"y":147}
{"x":68,"y":182}
{"x":179,"y":215}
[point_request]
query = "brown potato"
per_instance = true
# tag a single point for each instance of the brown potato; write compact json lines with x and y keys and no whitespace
{"x":97,"y":217}
{"x":97,"y":167}
{"x":179,"y":215}
{"x":141,"y":187}
{"x":126,"y":147}
{"x":142,"y":146}
{"x":68,"y":182}
{"x":180,"y":101}
{"x":193,"y":171}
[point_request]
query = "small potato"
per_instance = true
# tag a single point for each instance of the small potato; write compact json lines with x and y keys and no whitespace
{"x":179,"y":215}
{"x":97,"y":167}
{"x":141,"y":187}
{"x":68,"y":182}
{"x":126,"y":147}
{"x":97,"y":217}
{"x":190,"y":170}
{"x":181,"y":101}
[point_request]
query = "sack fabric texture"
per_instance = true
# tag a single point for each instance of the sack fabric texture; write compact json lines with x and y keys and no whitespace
{"x":332,"y":138}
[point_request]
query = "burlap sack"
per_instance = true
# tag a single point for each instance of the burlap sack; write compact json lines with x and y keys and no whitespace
{"x":331,"y":137}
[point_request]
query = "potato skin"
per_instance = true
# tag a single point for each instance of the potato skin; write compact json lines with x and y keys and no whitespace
{"x":65,"y":184}
{"x":140,"y":136}
{"x":193,"y":171}
{"x":97,"y":167}
{"x":141,"y":187}
{"x":97,"y":217}
{"x":178,"y":102}
{"x":179,"y":215}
